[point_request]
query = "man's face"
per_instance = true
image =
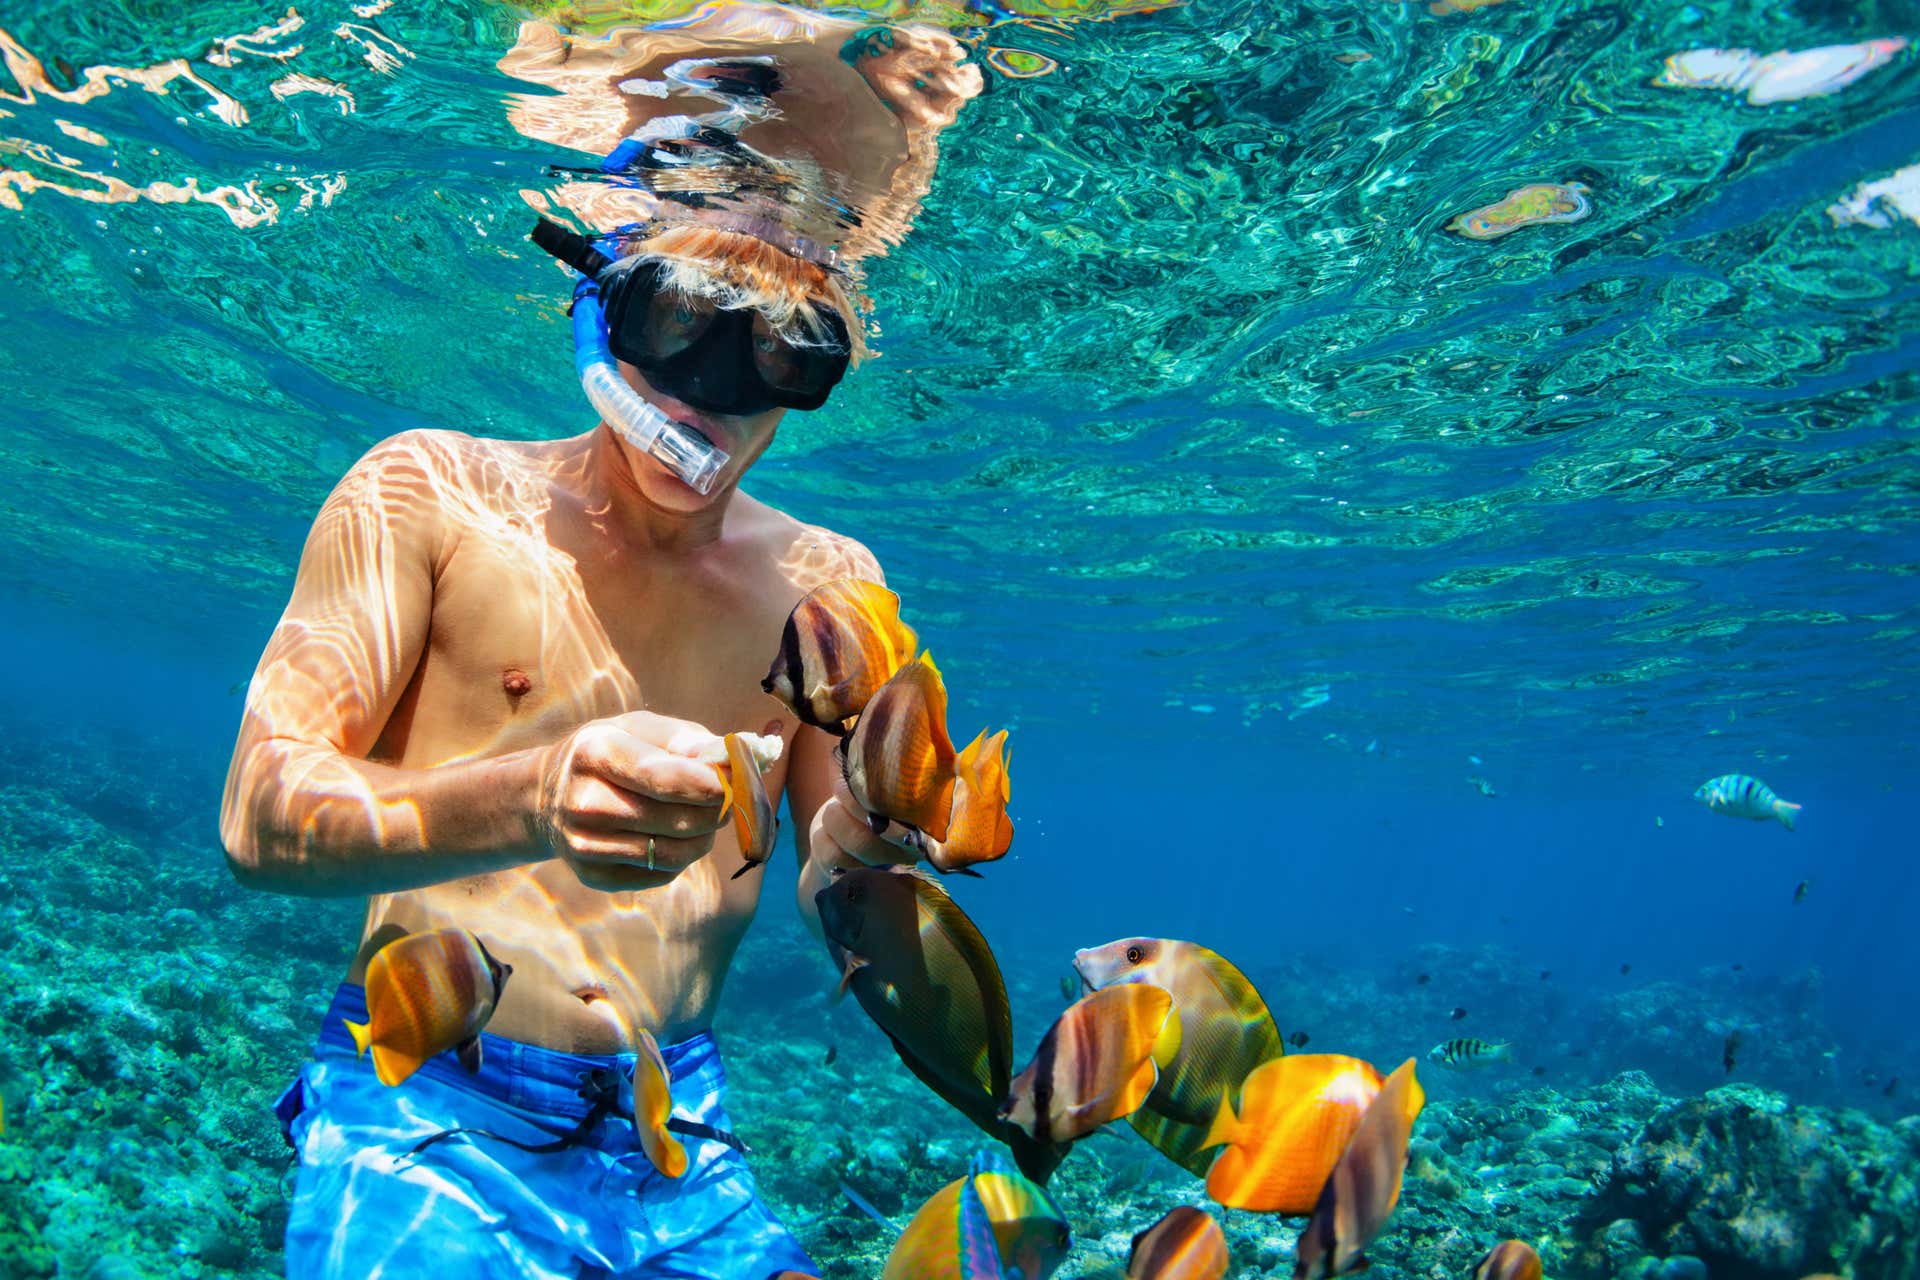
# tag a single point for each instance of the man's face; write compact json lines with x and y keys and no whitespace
{"x":743,"y":437}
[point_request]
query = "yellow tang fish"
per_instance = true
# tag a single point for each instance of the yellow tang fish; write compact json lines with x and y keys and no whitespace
{"x":1297,"y":1115}
{"x":1097,"y":1063}
{"x":1509,"y":1260}
{"x":842,"y":642}
{"x":1365,"y":1184}
{"x":978,"y":829}
{"x":990,"y":1224}
{"x":899,"y":761}
{"x":652,"y":1104}
{"x":1187,"y":1244}
{"x":755,"y":822}
{"x":1225,"y":1032}
{"x":427,"y":993}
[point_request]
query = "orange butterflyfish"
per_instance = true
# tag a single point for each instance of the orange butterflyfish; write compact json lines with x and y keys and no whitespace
{"x":652,"y":1104}
{"x":427,"y":993}
{"x":755,"y":822}
{"x":979,"y":829}
{"x":991,"y":1224}
{"x":1509,"y":1260}
{"x":899,"y":761}
{"x":1225,"y":1032}
{"x":1095,"y":1064}
{"x":842,"y":642}
{"x":1187,"y":1244}
{"x":1365,"y":1184}
{"x":1297,"y":1115}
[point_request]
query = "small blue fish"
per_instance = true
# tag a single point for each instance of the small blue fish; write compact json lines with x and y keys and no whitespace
{"x":1740,"y":796}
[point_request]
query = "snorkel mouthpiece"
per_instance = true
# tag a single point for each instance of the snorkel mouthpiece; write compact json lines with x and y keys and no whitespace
{"x":682,"y":449}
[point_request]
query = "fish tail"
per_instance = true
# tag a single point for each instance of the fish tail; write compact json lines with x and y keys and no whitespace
{"x":361,"y":1035}
{"x":1225,"y":1126}
{"x":1500,"y":1053}
{"x":1786,"y":811}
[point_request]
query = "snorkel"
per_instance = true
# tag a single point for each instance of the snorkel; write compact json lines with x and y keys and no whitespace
{"x":682,"y":449}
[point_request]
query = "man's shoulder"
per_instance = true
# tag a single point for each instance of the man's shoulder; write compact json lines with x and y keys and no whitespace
{"x":811,"y":554}
{"x":446,"y":454}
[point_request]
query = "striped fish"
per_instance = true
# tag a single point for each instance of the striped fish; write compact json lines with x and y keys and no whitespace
{"x":1365,"y":1184}
{"x":1509,"y":1260}
{"x":1740,"y":796}
{"x":899,"y":763}
{"x":841,"y":643}
{"x":1097,"y":1063}
{"x":427,"y":993}
{"x":1187,"y":1244}
{"x":653,"y":1105}
{"x":1467,"y":1052}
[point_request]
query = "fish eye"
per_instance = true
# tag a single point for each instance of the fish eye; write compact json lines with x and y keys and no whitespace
{"x":1135,"y":955}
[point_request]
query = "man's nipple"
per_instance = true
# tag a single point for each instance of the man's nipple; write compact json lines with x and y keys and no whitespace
{"x":516,"y":682}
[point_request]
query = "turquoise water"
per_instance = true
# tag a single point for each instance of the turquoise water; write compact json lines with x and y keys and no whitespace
{"x":1365,"y":600}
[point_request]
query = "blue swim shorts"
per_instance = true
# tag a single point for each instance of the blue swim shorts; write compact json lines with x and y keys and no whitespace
{"x":365,"y":1205}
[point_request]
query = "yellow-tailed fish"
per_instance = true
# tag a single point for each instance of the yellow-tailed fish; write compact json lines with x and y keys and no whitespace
{"x":978,"y":829}
{"x":755,"y":822}
{"x":1509,"y":1260}
{"x":993,"y":1223}
{"x":925,"y":975}
{"x":1365,"y":1184}
{"x":899,"y":761}
{"x":1740,"y":796}
{"x":1225,"y":1032}
{"x":652,"y":1105}
{"x":427,"y":993}
{"x":1296,"y":1116}
{"x":842,"y":642}
{"x":1187,"y":1244}
{"x":1097,"y":1063}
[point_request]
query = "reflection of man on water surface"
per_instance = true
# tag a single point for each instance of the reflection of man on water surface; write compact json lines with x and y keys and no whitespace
{"x":486,"y":707}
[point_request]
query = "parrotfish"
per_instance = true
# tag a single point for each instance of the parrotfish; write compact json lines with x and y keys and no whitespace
{"x":427,"y":993}
{"x":842,"y":642}
{"x":993,"y":1224}
{"x":1532,"y":205}
{"x":899,"y":760}
{"x":1225,"y":1032}
{"x":755,"y":821}
{"x":925,"y":975}
{"x":1739,"y":796}
{"x":652,"y":1104}
{"x":1297,"y":1115}
{"x":1465,"y":1051}
{"x":1187,"y":1244}
{"x":1365,"y":1184}
{"x":1096,"y":1064}
{"x":1509,"y":1260}
{"x":978,"y":829}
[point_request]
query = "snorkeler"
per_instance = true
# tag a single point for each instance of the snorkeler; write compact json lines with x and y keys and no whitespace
{"x":493,"y":704}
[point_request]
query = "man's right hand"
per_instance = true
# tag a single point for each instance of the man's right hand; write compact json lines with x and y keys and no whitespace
{"x":628,"y":802}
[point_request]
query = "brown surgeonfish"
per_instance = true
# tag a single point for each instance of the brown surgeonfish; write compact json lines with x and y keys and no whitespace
{"x":652,"y":1105}
{"x":842,"y":642}
{"x":427,"y":993}
{"x":922,"y":971}
{"x":1365,"y":1184}
{"x":978,"y":829}
{"x":1225,"y":1032}
{"x":755,"y":822}
{"x":1097,"y":1063}
{"x":1297,"y":1115}
{"x":899,"y":761}
{"x":1187,"y":1244}
{"x":1509,"y":1260}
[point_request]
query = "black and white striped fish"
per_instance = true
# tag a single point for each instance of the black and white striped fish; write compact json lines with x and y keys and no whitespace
{"x":1467,"y":1052}
{"x":1739,"y":796}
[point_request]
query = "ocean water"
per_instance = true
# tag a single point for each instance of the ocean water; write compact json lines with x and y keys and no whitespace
{"x":1365,"y":600}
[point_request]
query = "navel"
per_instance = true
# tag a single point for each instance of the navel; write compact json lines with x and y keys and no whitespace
{"x":516,"y":682}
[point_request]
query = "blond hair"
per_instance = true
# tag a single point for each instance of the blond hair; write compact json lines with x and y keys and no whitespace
{"x":743,"y":272}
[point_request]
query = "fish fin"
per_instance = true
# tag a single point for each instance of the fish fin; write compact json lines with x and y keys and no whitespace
{"x":1501,"y":1053}
{"x":727,"y":801}
{"x":744,"y":868}
{"x":849,"y":965}
{"x":1786,"y":811}
{"x":391,"y":1067}
{"x":469,"y":1051}
{"x":979,"y":1250}
{"x":1225,"y":1126}
{"x":362,"y":1035}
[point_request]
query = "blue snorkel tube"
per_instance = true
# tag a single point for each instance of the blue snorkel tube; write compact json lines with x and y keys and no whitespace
{"x":680,"y":448}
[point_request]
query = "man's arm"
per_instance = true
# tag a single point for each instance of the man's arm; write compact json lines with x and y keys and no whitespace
{"x":305,"y":812}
